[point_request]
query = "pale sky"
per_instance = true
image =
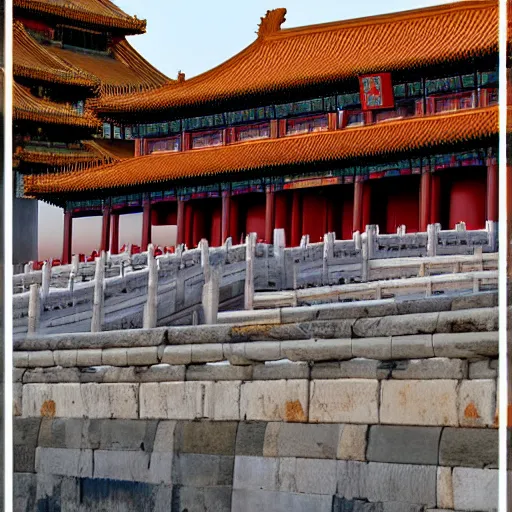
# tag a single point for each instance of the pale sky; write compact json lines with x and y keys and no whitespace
{"x":193,"y":37}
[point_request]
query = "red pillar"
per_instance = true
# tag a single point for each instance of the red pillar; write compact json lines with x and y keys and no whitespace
{"x":146,"y":225}
{"x":296,"y":224}
{"x":358,"y":206}
{"x":189,"y":221}
{"x":425,"y":200}
{"x":180,"y":221}
{"x":114,"y":245}
{"x":68,"y":236}
{"x":367,"y":205}
{"x":269,"y":215}
{"x":105,"y":230}
{"x":435,"y":198}
{"x":226,"y":210}
{"x":492,"y":190}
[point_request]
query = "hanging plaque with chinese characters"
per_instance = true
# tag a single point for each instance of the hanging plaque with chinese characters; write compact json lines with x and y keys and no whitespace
{"x":376,"y":91}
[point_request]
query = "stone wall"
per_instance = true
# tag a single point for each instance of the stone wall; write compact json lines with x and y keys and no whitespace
{"x":384,"y":406}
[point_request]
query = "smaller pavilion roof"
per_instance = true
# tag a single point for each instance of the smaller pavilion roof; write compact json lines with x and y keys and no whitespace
{"x":94,"y":12}
{"x":387,"y":138}
{"x":27,"y":107}
{"x":326,"y":53}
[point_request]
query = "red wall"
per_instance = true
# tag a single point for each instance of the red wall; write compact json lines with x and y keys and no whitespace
{"x":216,"y":227}
{"x":255,"y":219}
{"x":347,"y":216}
{"x":314,"y":216}
{"x":467,"y":202}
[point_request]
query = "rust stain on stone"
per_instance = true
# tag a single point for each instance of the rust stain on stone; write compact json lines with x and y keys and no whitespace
{"x":471,"y":411}
{"x":294,"y":412}
{"x":251,"y":330}
{"x":48,"y":409}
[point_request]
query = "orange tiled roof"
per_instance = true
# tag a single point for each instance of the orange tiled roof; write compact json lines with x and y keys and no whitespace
{"x":305,"y":56}
{"x":32,"y":60}
{"x":380,"y":139}
{"x":27,"y":107}
{"x":123,"y":70}
{"x":95,"y":12}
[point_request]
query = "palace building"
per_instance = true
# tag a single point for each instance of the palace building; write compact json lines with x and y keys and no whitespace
{"x":389,"y":120}
{"x":65,"y":53}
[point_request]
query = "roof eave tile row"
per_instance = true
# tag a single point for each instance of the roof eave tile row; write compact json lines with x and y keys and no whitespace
{"x":389,"y":138}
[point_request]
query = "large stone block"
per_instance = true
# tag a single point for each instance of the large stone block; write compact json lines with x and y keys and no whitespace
{"x":65,"y":358}
{"x":65,"y":433}
{"x":114,"y":357}
{"x":482,"y":370}
{"x":250,"y":438}
{"x":88,"y":357}
{"x":466,"y":345}
{"x":263,"y":351}
{"x":352,"y":443}
{"x":65,"y":462}
{"x":415,"y":346}
{"x":24,"y":492}
{"x":378,"y":348}
{"x":120,"y":401}
{"x":309,"y":476}
{"x":200,"y":470}
{"x":317,"y":350}
{"x":468,"y":321}
{"x":218,"y":372}
{"x":223,"y":401}
{"x":142,"y":356}
{"x":434,"y":368}
{"x":400,"y":325}
{"x":177,"y":354}
{"x":207,"y":437}
{"x":444,"y":488}
{"x":201,"y":499}
{"x":277,"y":370}
{"x":344,"y":401}
{"x":472,"y":447}
{"x":256,"y":473}
{"x":404,"y":445}
{"x":53,"y":375}
{"x":122,"y":435}
{"x":301,"y":440}
{"x":40,"y":358}
{"x":206,"y":353}
{"x":25,"y":435}
{"x":415,"y":402}
{"x":281,"y":400}
{"x":475,"y":489}
{"x":270,"y":501}
{"x":477,"y":403}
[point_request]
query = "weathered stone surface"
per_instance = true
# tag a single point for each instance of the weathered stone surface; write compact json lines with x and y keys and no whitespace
{"x":127,"y":465}
{"x":444,"y":488}
{"x":194,"y":499}
{"x":473,"y":447}
{"x":434,"y":368}
{"x":482,"y":370}
{"x":277,"y":370}
{"x":475,"y":489}
{"x":279,"y":400}
{"x":156,"y":373}
{"x":317,"y":349}
{"x":329,"y":370}
{"x":17,"y":374}
{"x":185,"y":335}
{"x":65,"y":433}
{"x":360,"y":368}
{"x":206,"y":353}
{"x":20,"y":359}
{"x":17,"y":399}
{"x":24,"y":491}
{"x":466,"y":345}
{"x":415,"y":402}
{"x":250,"y":438}
{"x":263,"y":351}
{"x":254,"y":317}
{"x":164,"y":437}
{"x":306,"y":441}
{"x":257,"y":473}
{"x":119,"y":401}
{"x":207,"y":437}
{"x":142,"y":356}
{"x":25,"y":435}
{"x":372,"y":348}
{"x":223,"y":402}
{"x":396,"y":325}
{"x":309,"y":476}
{"x":415,"y":346}
{"x":477,"y":403}
{"x":65,"y":358}
{"x":344,"y":401}
{"x":96,"y":340}
{"x":255,"y":500}
{"x":40,"y":358}
{"x":477,"y":300}
{"x":424,"y":305}
{"x":219,"y":372}
{"x":123,"y":435}
{"x":114,"y":357}
{"x":173,"y":400}
{"x":403,"y":445}
{"x":352,"y":442}
{"x":199,"y":470}
{"x":88,"y":357}
{"x":66,"y":462}
{"x":468,"y":321}
{"x":177,"y":354}
{"x":54,"y":374}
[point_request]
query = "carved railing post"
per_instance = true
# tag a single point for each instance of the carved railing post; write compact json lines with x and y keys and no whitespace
{"x":432,"y":239}
{"x":151,"y":306}
{"x":250,"y":252}
{"x":210,"y":297}
{"x":34,"y":309}
{"x":99,"y":294}
{"x":327,"y":256}
{"x":365,"y":268}
{"x":490,"y":227}
{"x":46,"y":279}
{"x":372,"y":232}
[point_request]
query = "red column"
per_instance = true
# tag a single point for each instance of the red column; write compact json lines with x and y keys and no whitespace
{"x":189,"y":221}
{"x":68,"y":236}
{"x":492,"y":190}
{"x":269,"y":215}
{"x":425,"y":195}
{"x":367,"y":204}
{"x":226,"y":210}
{"x":146,"y":225}
{"x":180,"y":221}
{"x":105,"y":230}
{"x":296,"y":224}
{"x":114,"y":245}
{"x":435,"y":198}
{"x":357,"y":218}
